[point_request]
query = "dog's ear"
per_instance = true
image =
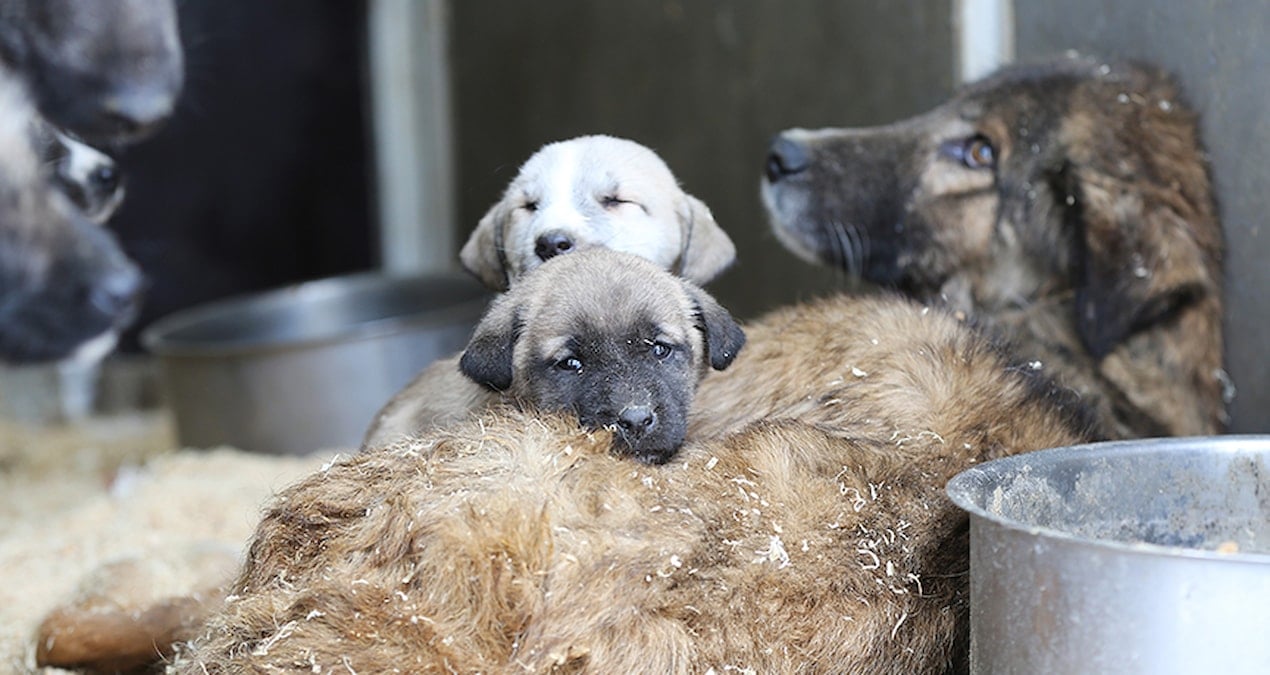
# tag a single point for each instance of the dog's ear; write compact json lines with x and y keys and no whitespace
{"x":723,"y":336}
{"x":487,"y":360}
{"x":707,"y":249}
{"x":483,"y":255}
{"x":1143,"y":251}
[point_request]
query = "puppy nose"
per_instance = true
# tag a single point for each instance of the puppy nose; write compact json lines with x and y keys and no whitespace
{"x":552,"y":244}
{"x":785,"y":158}
{"x":118,"y":292}
{"x":637,"y":420}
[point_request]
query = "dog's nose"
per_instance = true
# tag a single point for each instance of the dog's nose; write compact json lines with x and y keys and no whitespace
{"x":552,"y":244}
{"x":786,"y":157}
{"x":118,"y":292}
{"x":637,"y":420}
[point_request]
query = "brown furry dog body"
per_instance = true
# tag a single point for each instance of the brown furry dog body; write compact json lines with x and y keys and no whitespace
{"x":817,"y":539}
{"x":1066,"y":207}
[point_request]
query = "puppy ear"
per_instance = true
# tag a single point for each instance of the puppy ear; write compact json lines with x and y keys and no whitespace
{"x":707,"y":249}
{"x":1144,"y":250}
{"x":483,"y":255}
{"x":487,"y":360}
{"x":723,"y":336}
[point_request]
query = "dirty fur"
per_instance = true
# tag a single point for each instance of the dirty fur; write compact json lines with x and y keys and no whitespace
{"x":1064,"y":206}
{"x":803,"y":527}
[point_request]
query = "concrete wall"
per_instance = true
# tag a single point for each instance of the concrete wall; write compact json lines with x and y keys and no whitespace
{"x":704,"y":82}
{"x":1217,"y":48}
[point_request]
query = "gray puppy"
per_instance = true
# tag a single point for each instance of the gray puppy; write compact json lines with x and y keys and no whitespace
{"x":608,"y":336}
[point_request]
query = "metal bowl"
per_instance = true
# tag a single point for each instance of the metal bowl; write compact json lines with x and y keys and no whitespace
{"x":304,"y":368}
{"x":1148,"y":556}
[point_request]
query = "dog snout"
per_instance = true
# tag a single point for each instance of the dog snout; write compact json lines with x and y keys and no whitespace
{"x":551,"y":244}
{"x":636,"y":421}
{"x":117,"y":292}
{"x":786,"y":157}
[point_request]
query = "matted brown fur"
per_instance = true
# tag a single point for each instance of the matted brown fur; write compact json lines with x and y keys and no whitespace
{"x":804,"y":530}
{"x":1066,"y":206}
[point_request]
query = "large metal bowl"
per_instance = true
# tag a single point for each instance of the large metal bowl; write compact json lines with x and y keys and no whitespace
{"x":304,"y":368}
{"x":1147,"y":556}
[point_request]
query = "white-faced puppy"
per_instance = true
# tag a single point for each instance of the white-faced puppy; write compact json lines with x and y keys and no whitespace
{"x":596,"y":192}
{"x":607,"y":336}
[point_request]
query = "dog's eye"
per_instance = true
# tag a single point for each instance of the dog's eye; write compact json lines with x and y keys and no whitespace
{"x":530,"y":205}
{"x":661,"y":350}
{"x":611,"y":201}
{"x":977,"y":153}
{"x":570,"y":363}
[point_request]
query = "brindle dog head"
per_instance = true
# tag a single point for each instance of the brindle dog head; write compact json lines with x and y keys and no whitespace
{"x":1073,"y":181}
{"x":108,"y":71}
{"x":610,"y":337}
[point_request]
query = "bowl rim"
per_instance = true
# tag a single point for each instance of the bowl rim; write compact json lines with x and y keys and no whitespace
{"x":964,"y":486}
{"x":156,"y":337}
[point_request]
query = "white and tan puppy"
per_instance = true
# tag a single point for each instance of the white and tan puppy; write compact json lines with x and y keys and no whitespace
{"x":607,"y":336}
{"x":596,"y":192}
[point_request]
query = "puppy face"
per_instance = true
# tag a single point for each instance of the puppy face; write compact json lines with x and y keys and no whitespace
{"x":1072,"y":178}
{"x":596,"y":192}
{"x":107,"y":71}
{"x":609,"y":337}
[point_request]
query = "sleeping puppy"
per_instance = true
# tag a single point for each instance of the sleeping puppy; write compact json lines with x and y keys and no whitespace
{"x":608,"y":336}
{"x":590,"y":192}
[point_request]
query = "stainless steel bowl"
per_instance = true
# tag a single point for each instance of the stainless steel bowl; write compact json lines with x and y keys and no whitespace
{"x":1148,"y":556}
{"x":304,"y":368}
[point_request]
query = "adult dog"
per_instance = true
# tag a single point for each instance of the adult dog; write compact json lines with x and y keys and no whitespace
{"x":1065,"y":206}
{"x":607,"y":336}
{"x":596,"y":191}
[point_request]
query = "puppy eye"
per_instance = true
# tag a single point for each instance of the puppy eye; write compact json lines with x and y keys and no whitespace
{"x":569,"y":363}
{"x":530,"y":205}
{"x":661,"y":350}
{"x":978,"y":153}
{"x":611,"y":201}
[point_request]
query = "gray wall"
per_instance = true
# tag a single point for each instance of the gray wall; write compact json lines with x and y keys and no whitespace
{"x":705,"y":83}
{"x":1218,"y":49}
